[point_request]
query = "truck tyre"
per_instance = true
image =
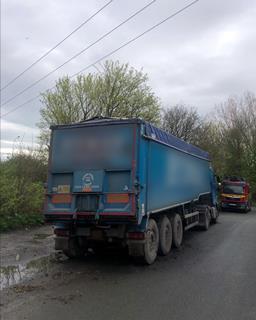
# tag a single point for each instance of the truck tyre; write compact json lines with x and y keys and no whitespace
{"x":207,"y":219}
{"x":214,"y":220}
{"x":165,"y":236}
{"x":74,"y":251}
{"x":177,"y":231}
{"x":215,"y":215}
{"x":151,"y":242}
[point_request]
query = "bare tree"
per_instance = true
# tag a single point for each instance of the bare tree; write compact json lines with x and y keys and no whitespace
{"x":237,"y":118}
{"x":183,"y":122}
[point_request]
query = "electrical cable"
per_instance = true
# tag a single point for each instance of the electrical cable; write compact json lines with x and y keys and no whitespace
{"x":78,"y":54}
{"x":114,"y":51}
{"x":56,"y":45}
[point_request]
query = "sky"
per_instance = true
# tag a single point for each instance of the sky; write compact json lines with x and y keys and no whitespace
{"x":200,"y":57}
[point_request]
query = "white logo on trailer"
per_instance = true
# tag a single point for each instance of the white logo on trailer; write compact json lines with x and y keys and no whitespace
{"x":88,"y":180}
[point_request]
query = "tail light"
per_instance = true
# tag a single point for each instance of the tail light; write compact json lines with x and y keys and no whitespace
{"x":117,"y":198}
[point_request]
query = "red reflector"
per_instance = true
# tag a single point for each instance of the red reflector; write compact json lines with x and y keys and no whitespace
{"x":61,"y":232}
{"x":118,"y":198}
{"x":136,"y":235}
{"x":61,"y":198}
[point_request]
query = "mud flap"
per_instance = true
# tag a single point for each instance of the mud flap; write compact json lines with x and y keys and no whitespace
{"x":136,"y":248}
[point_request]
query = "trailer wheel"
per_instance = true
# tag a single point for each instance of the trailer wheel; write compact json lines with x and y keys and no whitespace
{"x":74,"y":250}
{"x":177,"y":230}
{"x":207,"y":219}
{"x":151,"y":242}
{"x":165,"y":236}
{"x":215,"y":215}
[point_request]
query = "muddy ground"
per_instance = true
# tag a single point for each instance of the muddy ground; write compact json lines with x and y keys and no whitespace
{"x":23,"y":245}
{"x":211,"y":277}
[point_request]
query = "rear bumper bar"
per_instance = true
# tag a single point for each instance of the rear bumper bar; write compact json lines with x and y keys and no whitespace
{"x":89,"y":217}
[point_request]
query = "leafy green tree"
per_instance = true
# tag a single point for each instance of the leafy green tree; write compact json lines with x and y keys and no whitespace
{"x":21,"y":190}
{"x":118,"y":91}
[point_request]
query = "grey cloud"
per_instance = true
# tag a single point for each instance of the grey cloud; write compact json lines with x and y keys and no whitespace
{"x":187,"y":59}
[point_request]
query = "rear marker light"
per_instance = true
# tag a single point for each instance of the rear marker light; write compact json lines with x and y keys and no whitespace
{"x":61,"y":198}
{"x":118,"y":198}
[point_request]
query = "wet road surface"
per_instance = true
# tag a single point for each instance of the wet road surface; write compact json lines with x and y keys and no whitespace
{"x":211,"y":277}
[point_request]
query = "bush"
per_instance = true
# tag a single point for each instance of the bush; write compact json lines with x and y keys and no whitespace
{"x":21,"y":191}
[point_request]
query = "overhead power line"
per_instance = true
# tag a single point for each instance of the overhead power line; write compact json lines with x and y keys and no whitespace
{"x":114,"y":51}
{"x":80,"y":52}
{"x":136,"y":38}
{"x":56,"y":45}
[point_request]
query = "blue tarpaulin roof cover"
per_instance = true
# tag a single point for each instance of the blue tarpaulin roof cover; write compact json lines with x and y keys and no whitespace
{"x":169,"y":139}
{"x":151,"y":132}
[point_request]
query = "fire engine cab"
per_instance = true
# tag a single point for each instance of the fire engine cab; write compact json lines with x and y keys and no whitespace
{"x":235,"y":194}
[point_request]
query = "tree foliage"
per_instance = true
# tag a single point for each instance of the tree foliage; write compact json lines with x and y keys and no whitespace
{"x":209,"y":139}
{"x":21,"y":190}
{"x":237,"y":118}
{"x":118,"y":91}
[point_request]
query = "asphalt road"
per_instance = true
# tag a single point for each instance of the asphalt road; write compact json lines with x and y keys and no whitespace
{"x":213,"y":276}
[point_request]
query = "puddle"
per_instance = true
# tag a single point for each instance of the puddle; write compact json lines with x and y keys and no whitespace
{"x":14,"y":274}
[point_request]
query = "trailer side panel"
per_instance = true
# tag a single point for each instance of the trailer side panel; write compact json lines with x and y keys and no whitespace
{"x":174,"y":177}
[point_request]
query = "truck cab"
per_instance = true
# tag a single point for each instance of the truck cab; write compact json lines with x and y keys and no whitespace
{"x":235,"y":194}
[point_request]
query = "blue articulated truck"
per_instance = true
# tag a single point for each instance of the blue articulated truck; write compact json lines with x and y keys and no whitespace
{"x":127,"y":183}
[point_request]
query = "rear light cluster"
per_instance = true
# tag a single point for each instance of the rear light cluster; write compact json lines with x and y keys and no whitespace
{"x":111,"y":198}
{"x":61,"y":232}
{"x":61,"y":198}
{"x":118,"y":198}
{"x":136,"y":235}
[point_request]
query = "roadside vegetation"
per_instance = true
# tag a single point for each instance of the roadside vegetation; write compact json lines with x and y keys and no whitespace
{"x":21,"y":190}
{"x":119,"y":90}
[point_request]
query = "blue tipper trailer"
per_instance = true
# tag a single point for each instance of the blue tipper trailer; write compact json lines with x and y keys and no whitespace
{"x":125,"y":182}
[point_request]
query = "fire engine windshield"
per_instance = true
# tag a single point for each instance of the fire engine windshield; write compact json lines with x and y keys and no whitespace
{"x":98,"y":147}
{"x":233,"y":189}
